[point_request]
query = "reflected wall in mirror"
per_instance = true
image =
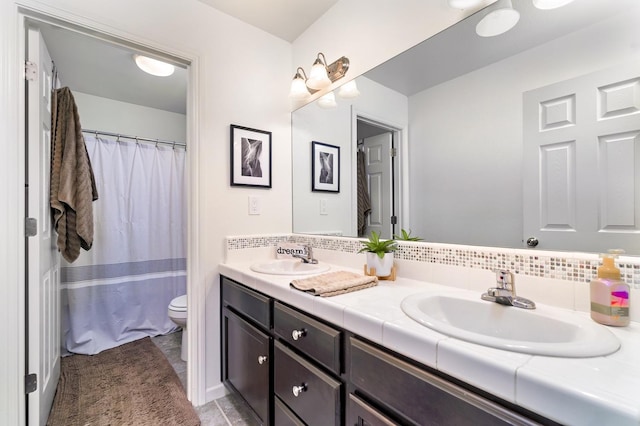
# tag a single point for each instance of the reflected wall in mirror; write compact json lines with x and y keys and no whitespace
{"x":533,"y":133}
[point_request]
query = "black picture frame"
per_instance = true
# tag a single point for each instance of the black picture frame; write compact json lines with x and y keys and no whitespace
{"x":250,"y":157}
{"x":325,"y":167}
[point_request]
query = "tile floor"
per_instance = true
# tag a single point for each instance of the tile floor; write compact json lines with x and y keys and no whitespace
{"x":226,"y":411}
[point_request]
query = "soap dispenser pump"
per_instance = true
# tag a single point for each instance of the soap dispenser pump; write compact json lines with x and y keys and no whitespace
{"x":609,"y":294}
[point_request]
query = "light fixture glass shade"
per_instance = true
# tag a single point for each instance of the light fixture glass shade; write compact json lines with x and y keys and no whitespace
{"x":463,"y":4}
{"x":318,"y":78}
{"x":500,"y":20}
{"x":550,"y":4}
{"x":153,"y":66}
{"x":327,"y":101}
{"x":349,"y":90}
{"x":298,"y":89}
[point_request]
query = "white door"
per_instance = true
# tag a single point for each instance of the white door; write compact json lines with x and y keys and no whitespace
{"x":582,"y":161}
{"x":43,"y":261}
{"x":378,"y":160}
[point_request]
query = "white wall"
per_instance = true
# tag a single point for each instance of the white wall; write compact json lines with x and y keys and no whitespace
{"x":466,"y":148}
{"x":334,"y":126}
{"x":232,"y":89}
{"x":97,"y":113}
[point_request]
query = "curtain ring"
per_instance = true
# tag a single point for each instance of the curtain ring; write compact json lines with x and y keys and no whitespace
{"x":118,"y":139}
{"x":157,"y":141}
{"x":174,"y":145}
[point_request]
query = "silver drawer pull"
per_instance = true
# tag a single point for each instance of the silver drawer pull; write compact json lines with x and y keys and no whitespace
{"x":297,"y":390}
{"x":262,"y":359}
{"x":297,"y":334}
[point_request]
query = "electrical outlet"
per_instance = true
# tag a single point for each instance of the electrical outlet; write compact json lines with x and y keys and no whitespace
{"x":323,"y":206}
{"x":254,"y":205}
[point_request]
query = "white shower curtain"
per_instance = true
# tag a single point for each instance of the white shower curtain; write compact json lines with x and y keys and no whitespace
{"x":119,"y":291}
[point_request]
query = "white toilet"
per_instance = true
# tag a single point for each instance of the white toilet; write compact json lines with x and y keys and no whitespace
{"x":178,"y":314}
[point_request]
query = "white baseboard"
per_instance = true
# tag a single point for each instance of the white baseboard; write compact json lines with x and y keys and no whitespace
{"x":215,"y":392}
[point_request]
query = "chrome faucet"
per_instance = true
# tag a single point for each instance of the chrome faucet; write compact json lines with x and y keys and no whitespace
{"x":505,"y":292}
{"x":307,"y":256}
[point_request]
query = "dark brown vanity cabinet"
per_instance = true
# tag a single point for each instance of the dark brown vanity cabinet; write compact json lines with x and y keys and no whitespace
{"x":293,"y":369}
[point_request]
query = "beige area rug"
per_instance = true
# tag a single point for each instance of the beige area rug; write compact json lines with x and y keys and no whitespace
{"x":132,"y":384}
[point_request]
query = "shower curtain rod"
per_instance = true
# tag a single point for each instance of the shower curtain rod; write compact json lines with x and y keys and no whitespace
{"x":136,"y":138}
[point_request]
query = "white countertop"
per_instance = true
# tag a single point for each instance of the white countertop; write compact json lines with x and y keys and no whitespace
{"x":575,"y":391}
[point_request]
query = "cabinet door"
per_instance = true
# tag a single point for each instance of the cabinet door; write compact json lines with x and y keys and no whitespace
{"x":245,"y":363}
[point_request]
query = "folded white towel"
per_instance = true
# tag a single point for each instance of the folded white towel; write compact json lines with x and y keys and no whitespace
{"x":334,"y":283}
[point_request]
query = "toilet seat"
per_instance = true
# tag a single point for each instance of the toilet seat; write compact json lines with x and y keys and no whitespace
{"x":179,"y":304}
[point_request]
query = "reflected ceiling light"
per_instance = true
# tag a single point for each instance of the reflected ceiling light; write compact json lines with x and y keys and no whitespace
{"x":463,"y":4}
{"x":499,"y":20}
{"x":550,"y":4}
{"x":320,"y":77}
{"x":153,"y":66}
{"x":327,"y":101}
{"x":349,"y":90}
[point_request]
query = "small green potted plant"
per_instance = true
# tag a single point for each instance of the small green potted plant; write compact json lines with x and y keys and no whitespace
{"x":406,"y":236}
{"x":379,"y":254}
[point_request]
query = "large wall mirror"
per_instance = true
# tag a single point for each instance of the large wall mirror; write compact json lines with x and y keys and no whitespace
{"x":532,"y":135}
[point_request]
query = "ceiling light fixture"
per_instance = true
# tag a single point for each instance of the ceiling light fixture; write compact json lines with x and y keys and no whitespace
{"x":499,"y":20}
{"x":550,"y":4}
{"x":463,"y":4}
{"x":320,"y":77}
{"x":153,"y":66}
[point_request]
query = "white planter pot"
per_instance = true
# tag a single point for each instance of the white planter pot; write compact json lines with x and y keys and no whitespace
{"x":383,"y":266}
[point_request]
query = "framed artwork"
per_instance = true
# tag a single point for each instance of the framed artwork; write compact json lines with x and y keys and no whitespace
{"x":325,"y":167}
{"x":250,"y":157}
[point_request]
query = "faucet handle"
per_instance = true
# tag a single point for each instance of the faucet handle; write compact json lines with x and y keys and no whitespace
{"x":504,"y":279}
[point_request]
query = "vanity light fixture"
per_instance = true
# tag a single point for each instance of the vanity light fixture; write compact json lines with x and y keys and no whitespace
{"x":327,"y":101}
{"x":320,"y":77}
{"x":349,"y":90}
{"x":153,"y":66}
{"x":499,"y":20}
{"x":550,"y":4}
{"x":299,"y":89}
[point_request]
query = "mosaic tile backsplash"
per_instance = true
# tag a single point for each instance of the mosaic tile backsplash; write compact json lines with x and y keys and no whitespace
{"x":523,"y":262}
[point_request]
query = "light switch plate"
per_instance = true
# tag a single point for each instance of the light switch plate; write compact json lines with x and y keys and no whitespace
{"x":254,"y":205}
{"x":323,"y":206}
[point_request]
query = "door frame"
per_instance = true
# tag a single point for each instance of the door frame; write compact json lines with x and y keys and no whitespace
{"x":399,"y":166}
{"x":17,"y":16}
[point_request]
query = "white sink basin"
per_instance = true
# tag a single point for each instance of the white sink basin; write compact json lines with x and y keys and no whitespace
{"x":543,"y":331}
{"x":288,"y":267}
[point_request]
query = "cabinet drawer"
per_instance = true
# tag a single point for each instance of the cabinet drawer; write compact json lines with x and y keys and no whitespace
{"x":282,"y":416}
{"x":246,"y":301}
{"x":317,"y":340}
{"x":311,"y":394}
{"x":419,"y":396}
{"x":362,"y":414}
{"x":245,"y":361}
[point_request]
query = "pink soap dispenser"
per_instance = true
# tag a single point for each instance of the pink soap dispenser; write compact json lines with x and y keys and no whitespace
{"x":609,"y":294}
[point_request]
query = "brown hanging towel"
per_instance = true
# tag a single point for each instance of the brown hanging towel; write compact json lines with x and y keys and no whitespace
{"x":73,"y":186}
